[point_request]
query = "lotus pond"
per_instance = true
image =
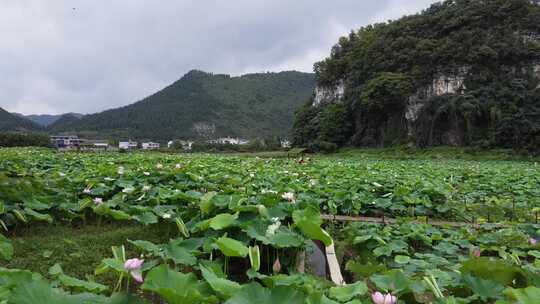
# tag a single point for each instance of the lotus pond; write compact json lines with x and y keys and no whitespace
{"x":202,"y":228}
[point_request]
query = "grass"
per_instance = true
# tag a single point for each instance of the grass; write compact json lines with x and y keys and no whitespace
{"x":79,"y":249}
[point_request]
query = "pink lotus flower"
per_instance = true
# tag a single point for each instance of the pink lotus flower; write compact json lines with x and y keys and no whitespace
{"x":134,"y":267}
{"x":476,"y":253}
{"x":178,"y":166}
{"x":98,"y":201}
{"x":379,"y":298}
{"x":533,"y":242}
{"x":87,"y":190}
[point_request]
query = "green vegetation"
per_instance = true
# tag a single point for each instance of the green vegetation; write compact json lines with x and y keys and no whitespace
{"x":462,"y":72}
{"x":231,"y":229}
{"x":10,"y":139}
{"x":203,"y":105}
{"x":79,"y":250}
{"x":11,"y":122}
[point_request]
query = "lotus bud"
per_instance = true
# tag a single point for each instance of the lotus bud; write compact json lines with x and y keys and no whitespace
{"x":277,"y":266}
{"x":379,"y":298}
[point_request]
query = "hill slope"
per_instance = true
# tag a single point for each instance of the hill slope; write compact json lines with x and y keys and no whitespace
{"x":463,"y":72}
{"x":62,"y":121}
{"x":10,"y":122}
{"x":205,"y":105}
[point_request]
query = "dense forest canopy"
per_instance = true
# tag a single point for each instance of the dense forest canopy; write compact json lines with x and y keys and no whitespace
{"x":462,"y":72}
{"x":203,"y":105}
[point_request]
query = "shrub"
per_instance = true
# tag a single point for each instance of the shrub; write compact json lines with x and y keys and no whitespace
{"x":24,"y":140}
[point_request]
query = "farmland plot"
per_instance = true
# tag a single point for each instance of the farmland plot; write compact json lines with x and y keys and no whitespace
{"x":240,"y":228}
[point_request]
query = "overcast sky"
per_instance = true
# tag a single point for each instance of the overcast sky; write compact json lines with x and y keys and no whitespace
{"x":87,"y":56}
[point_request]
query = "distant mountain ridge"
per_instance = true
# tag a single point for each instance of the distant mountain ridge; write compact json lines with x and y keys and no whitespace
{"x":46,"y":119}
{"x":11,"y":122}
{"x":203,"y":105}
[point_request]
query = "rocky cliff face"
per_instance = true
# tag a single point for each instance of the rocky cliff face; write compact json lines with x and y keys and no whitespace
{"x":442,"y":84}
{"x":458,"y":73}
{"x":329,"y":94}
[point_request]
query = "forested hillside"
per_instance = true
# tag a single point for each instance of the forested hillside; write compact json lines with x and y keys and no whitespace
{"x":11,"y":122}
{"x":462,"y":72}
{"x":204,"y":105}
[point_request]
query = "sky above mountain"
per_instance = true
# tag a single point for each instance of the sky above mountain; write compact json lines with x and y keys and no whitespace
{"x":87,"y":56}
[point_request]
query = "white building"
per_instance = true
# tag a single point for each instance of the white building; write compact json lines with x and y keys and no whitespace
{"x":229,"y":141}
{"x":94,"y":145}
{"x":127,"y":145}
{"x":66,"y":141}
{"x":150,"y":146}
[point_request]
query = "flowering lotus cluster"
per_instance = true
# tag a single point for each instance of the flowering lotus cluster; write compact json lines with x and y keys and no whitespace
{"x":379,"y":298}
{"x":271,"y":230}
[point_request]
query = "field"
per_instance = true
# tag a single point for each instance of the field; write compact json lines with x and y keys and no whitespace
{"x":203,"y":228}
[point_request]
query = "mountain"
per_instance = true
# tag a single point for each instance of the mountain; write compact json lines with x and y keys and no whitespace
{"x":204,"y":105}
{"x":45,"y":119}
{"x":64,"y":120}
{"x":10,"y":122}
{"x":462,"y":72}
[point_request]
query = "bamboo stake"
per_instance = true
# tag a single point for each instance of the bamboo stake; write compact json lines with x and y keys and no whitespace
{"x":387,"y":220}
{"x":333,"y":265}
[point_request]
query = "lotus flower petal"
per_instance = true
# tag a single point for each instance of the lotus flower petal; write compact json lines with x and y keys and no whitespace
{"x":377,"y":297}
{"x":137,"y":275}
{"x":133,"y":264}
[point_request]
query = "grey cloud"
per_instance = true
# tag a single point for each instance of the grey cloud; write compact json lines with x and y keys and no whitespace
{"x":107,"y":54}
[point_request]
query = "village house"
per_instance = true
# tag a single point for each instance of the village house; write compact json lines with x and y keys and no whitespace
{"x":127,"y":145}
{"x":67,"y":142}
{"x":150,"y":146}
{"x":94,"y":145}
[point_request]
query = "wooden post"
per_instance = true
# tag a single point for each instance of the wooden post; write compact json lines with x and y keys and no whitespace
{"x":333,"y":265}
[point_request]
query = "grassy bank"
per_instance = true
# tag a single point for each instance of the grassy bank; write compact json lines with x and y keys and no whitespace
{"x":78,"y":249}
